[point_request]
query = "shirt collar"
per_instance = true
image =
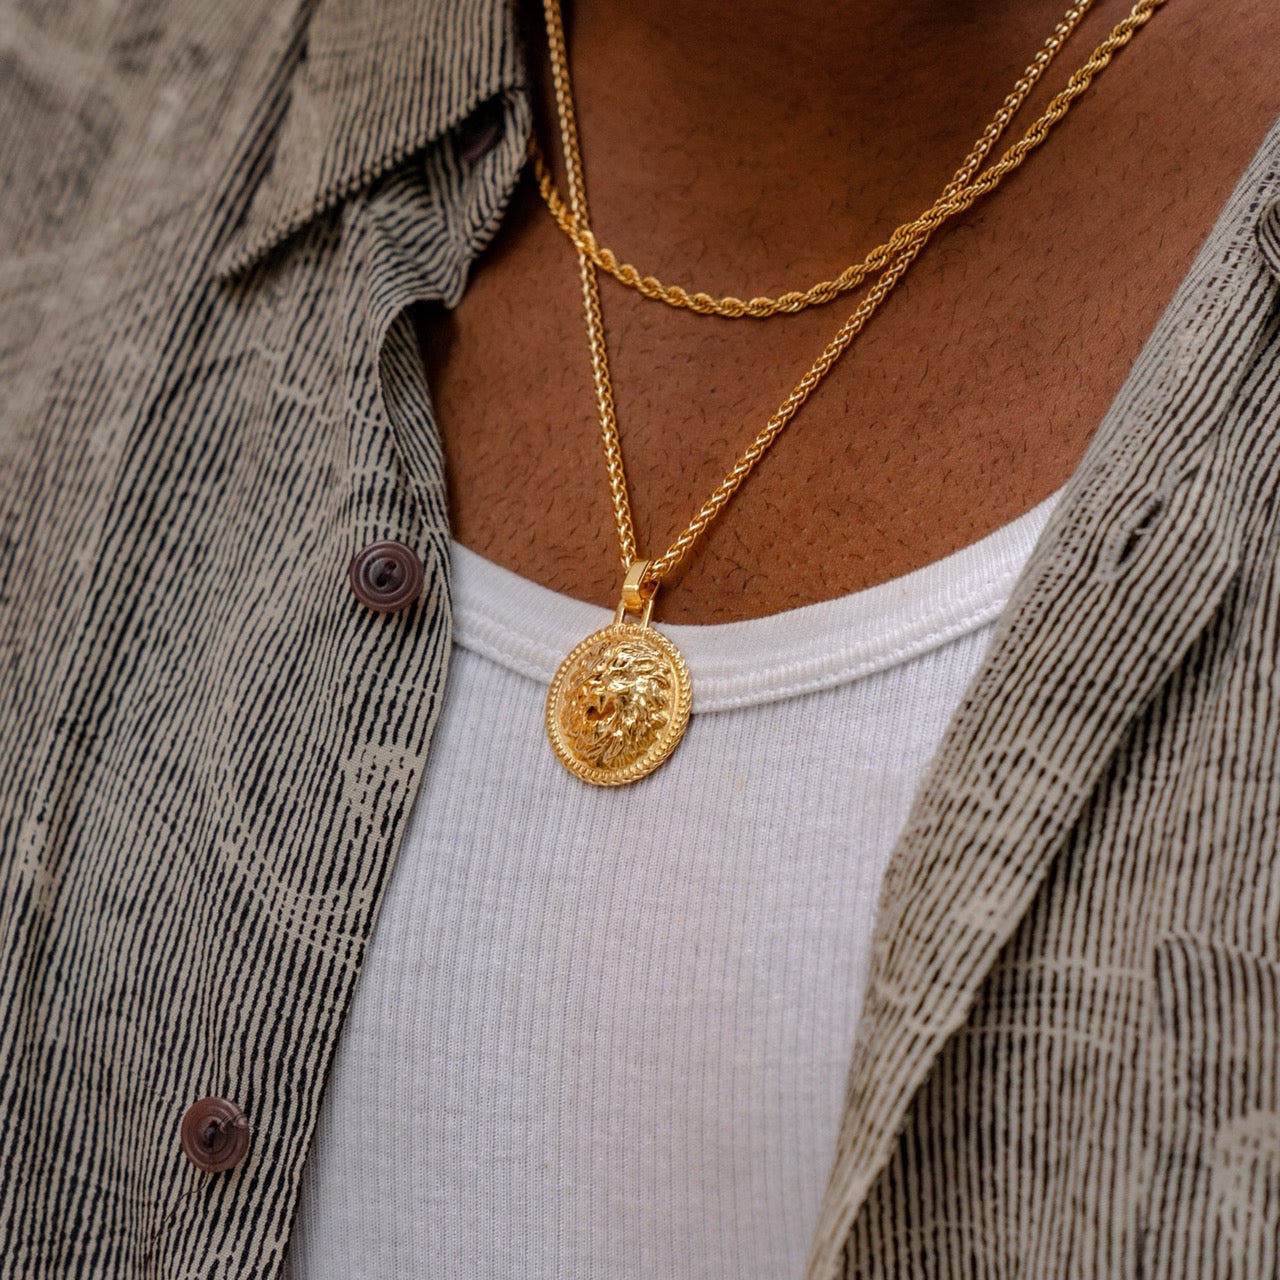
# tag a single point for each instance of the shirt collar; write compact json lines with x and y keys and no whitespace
{"x":379,"y":81}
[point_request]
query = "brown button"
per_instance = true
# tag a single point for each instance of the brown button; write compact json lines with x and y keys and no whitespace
{"x":386,"y":576}
{"x":215,"y":1134}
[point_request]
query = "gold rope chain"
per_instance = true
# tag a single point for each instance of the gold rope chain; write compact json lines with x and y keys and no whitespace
{"x":674,"y":295}
{"x":895,"y":256}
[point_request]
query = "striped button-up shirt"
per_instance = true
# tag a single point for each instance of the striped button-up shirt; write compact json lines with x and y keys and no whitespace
{"x":211,"y":397}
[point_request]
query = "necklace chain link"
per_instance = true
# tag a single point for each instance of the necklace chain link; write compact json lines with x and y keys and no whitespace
{"x":891,"y":259}
{"x":605,"y":259}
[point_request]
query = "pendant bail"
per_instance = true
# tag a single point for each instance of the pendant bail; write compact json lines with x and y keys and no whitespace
{"x":637,"y":595}
{"x":635,"y":591}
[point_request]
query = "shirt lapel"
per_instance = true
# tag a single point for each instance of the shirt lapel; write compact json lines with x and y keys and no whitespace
{"x":377,"y":83}
{"x":1132,"y":566}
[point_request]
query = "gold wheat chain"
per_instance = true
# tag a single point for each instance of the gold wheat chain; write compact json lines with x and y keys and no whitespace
{"x":621,"y":699}
{"x":605,"y":259}
{"x":891,"y":260}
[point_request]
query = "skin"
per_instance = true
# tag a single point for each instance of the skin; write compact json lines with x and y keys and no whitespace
{"x":748,"y":147}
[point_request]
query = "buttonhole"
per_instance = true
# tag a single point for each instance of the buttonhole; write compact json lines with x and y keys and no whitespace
{"x":479,"y":131}
{"x":1124,"y":541}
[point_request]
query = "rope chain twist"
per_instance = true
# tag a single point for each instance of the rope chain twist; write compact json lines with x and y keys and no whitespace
{"x":584,"y":239}
{"x":892,"y":259}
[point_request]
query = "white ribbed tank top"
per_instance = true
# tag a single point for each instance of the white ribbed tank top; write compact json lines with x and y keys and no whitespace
{"x":605,"y":1032}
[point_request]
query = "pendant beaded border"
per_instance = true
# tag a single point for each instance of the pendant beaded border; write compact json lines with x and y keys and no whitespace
{"x":664,"y":742}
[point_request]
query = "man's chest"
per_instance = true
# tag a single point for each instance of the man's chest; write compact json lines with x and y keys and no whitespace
{"x":970,"y":395}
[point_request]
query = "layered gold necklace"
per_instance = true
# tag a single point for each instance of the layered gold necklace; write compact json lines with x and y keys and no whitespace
{"x":620,"y":701}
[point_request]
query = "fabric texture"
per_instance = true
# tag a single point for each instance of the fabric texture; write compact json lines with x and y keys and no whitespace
{"x":211,"y":397}
{"x":606,"y":1031}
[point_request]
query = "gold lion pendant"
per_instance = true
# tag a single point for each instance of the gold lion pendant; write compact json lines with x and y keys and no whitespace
{"x":619,"y":704}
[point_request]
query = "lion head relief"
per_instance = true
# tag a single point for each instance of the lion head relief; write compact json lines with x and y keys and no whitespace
{"x":618,"y":704}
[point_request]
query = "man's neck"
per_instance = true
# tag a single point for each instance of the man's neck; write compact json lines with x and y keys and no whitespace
{"x":801,"y":132}
{"x":973,"y":392}
{"x":807,"y":53}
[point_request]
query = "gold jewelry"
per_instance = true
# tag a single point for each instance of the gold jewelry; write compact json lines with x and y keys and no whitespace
{"x":584,"y":240}
{"x":620,"y":701}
